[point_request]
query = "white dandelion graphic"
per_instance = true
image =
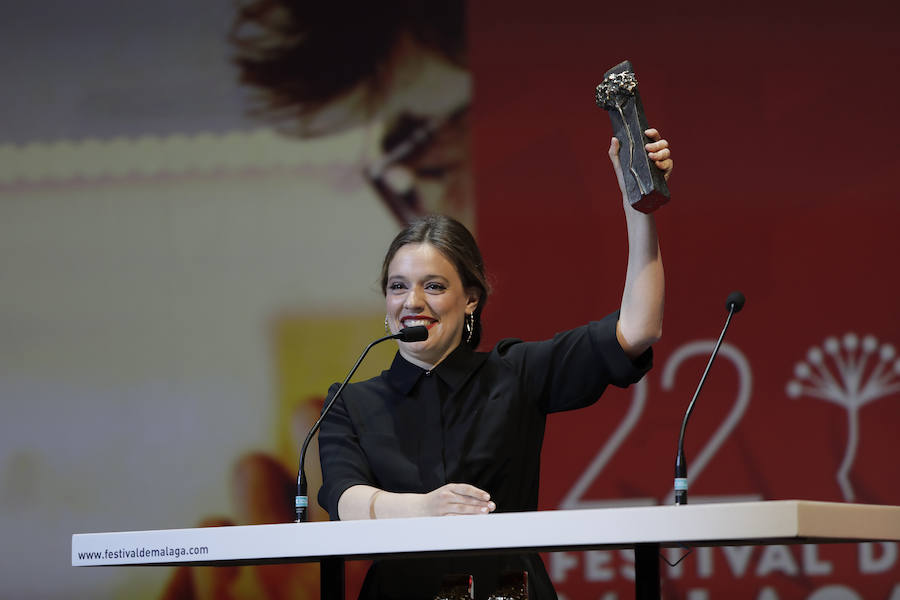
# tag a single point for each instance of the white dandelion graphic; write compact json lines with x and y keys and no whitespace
{"x":846,"y":374}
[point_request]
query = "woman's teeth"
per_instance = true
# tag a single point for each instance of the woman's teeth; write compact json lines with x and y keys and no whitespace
{"x":416,"y":322}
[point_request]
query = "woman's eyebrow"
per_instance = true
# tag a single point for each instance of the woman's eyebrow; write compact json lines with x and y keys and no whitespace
{"x":423,"y":278}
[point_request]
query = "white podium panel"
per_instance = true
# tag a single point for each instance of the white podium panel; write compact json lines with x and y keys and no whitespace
{"x":745,"y":523}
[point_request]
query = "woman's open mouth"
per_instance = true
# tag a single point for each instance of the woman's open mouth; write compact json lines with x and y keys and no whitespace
{"x":418,"y":320}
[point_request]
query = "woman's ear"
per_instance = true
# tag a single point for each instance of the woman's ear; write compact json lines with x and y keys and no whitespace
{"x":472,"y":299}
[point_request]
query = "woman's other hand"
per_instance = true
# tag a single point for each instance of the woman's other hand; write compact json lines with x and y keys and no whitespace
{"x":457,"y":499}
{"x":367,"y":502}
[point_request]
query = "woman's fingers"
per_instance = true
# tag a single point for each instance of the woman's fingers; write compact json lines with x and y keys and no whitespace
{"x":659,"y":152}
{"x":463,"y":508}
{"x":657,"y":146}
{"x":464,"y":489}
{"x":463,"y":499}
{"x":613,"y":149}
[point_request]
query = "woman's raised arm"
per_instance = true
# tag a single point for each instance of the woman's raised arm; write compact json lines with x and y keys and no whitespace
{"x":641,"y":316}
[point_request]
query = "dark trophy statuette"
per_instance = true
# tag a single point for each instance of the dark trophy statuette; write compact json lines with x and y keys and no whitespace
{"x":618,"y":94}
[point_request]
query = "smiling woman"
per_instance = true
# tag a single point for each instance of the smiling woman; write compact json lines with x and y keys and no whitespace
{"x":451,"y":431}
{"x":424,"y":289}
{"x":433,"y":275}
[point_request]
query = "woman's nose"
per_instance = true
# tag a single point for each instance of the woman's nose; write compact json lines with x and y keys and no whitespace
{"x":414,"y":299}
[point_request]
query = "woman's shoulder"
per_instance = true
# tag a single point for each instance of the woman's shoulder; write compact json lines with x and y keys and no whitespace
{"x":595,"y":341}
{"x":511,"y":344}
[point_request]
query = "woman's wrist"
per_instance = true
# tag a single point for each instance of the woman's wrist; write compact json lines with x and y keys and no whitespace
{"x":388,"y":505}
{"x":372,"y":514}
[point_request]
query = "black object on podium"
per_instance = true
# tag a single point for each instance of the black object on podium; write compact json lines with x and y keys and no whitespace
{"x":645,"y":184}
{"x":457,"y":587}
{"x":513,"y":585}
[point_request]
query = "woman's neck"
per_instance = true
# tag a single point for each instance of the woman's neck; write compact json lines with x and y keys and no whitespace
{"x":423,"y":364}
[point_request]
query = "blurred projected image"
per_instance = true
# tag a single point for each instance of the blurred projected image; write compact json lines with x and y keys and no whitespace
{"x":396,"y":68}
{"x":396,"y":71}
{"x":310,"y":353}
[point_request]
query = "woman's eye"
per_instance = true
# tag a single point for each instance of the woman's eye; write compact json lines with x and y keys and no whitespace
{"x":395,"y":286}
{"x":435,"y":287}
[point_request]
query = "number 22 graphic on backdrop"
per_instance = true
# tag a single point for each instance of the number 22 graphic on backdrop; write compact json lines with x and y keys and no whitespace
{"x":575,"y":497}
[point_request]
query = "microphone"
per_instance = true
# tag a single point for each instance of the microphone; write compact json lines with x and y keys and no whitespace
{"x":419,"y":333}
{"x":733,"y":304}
{"x":736,"y":301}
{"x":301,"y":501}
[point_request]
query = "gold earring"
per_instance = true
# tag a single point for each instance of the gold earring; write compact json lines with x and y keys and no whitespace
{"x":470,"y":327}
{"x":387,"y":330}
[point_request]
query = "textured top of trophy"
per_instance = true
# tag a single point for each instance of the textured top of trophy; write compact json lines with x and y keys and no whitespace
{"x":616,"y":88}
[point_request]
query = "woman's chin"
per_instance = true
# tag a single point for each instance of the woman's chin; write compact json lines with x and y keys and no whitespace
{"x":417,"y":346}
{"x":416,"y":349}
{"x":421,"y":353}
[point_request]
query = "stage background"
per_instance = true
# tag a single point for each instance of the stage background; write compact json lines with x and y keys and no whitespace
{"x":179,"y":283}
{"x":782,"y":121}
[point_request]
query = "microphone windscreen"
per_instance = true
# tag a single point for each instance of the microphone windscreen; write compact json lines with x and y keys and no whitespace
{"x":735,"y":299}
{"x":418,"y":333}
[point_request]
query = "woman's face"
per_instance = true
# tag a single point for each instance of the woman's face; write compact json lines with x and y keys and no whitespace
{"x":424,"y":288}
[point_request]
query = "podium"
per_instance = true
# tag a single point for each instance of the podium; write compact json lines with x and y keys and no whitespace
{"x":646,"y":529}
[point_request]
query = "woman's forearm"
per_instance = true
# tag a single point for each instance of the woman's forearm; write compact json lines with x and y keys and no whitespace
{"x":367,"y":502}
{"x":641,"y":315}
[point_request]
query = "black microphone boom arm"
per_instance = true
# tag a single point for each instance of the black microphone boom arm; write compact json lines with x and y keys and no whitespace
{"x":733,"y":304}
{"x":301,"y":501}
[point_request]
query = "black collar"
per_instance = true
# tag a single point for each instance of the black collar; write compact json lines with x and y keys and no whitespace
{"x":453,"y":370}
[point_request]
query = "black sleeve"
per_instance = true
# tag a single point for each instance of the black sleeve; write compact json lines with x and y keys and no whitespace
{"x":571,"y":370}
{"x":340,"y":455}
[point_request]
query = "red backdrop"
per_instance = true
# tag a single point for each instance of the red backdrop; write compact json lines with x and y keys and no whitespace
{"x":782,"y":121}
